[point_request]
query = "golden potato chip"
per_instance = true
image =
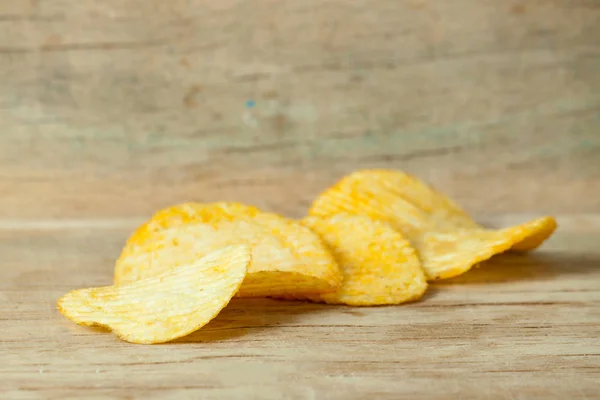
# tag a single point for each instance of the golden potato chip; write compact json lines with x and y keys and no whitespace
{"x":427,"y":219}
{"x":378,"y":265}
{"x":540,"y":230}
{"x":168,"y":248}
{"x":446,"y":254}
{"x":164,"y":307}
{"x":392,"y":184}
{"x":286,"y":256}
{"x":212,"y":214}
{"x":373,"y":188}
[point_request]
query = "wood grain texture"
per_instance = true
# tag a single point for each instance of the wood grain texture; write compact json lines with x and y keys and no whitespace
{"x":120,"y":107}
{"x":112,"y":109}
{"x":519,"y":327}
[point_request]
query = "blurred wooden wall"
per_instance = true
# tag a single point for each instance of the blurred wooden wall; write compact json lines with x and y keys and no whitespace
{"x":115,"y":108}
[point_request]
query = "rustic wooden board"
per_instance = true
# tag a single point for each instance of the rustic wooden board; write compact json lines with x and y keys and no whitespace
{"x":520,"y":327}
{"x":119,"y":107}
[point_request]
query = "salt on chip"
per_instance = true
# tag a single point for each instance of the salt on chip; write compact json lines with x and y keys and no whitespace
{"x":378,"y":265}
{"x":286,"y":256}
{"x":166,"y":306}
{"x":447,"y":243}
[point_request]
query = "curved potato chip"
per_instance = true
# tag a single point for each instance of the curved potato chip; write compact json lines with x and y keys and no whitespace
{"x":540,"y":230}
{"x":374,"y":188}
{"x":392,"y":184}
{"x":431,"y":232}
{"x":378,"y":265}
{"x":286,"y":256}
{"x":448,"y":254}
{"x":186,"y":213}
{"x":166,"y":306}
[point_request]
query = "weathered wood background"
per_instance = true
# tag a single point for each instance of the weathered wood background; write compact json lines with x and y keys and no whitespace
{"x":112,"y":109}
{"x":115,"y":108}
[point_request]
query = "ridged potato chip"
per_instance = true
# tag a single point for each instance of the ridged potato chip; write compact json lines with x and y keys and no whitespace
{"x":378,"y":265}
{"x":392,"y":184}
{"x":186,"y":213}
{"x":286,"y":256}
{"x":428,"y":220}
{"x":448,"y":214}
{"x":446,"y":254}
{"x":378,"y":186}
{"x":166,"y":306}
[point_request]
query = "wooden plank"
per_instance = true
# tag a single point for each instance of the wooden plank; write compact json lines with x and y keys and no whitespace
{"x":518,"y":327}
{"x":117,"y":108}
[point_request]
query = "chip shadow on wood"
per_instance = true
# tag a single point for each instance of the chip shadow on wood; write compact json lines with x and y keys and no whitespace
{"x":243,"y":316}
{"x":246,"y":320}
{"x":544,"y":266}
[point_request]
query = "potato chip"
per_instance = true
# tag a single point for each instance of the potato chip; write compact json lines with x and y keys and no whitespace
{"x":429,"y":221}
{"x":378,"y":265}
{"x":374,"y":187}
{"x":392,"y":184}
{"x":213,"y":213}
{"x":446,"y":254}
{"x":166,"y":306}
{"x":286,"y":256}
{"x":540,"y":230}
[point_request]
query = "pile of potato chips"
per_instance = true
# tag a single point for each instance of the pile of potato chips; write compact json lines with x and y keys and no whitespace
{"x":374,"y":238}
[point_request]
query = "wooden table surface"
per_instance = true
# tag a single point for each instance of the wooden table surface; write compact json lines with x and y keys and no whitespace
{"x":520,"y":327}
{"x":110,"y":110}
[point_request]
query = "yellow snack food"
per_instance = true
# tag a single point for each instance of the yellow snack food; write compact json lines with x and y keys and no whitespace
{"x":286,"y":256}
{"x":451,"y":253}
{"x":186,"y":213}
{"x":166,"y":306}
{"x":540,"y":230}
{"x":391,"y":184}
{"x":377,"y":264}
{"x":428,"y":220}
